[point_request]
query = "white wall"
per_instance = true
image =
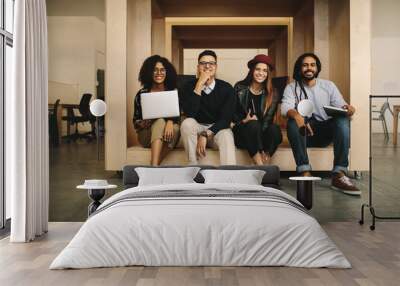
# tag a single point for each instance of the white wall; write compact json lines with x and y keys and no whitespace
{"x":100,"y":44}
{"x":232,"y":63}
{"x":73,"y":45}
{"x":76,"y":50}
{"x":94,"y":8}
{"x":385,"y":56}
{"x":321,"y":35}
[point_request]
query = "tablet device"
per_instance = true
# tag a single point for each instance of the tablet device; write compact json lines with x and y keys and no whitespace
{"x":335,"y":111}
{"x":163,"y":104}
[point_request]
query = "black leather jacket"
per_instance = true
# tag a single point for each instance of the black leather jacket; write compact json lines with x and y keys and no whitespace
{"x":242,"y":93}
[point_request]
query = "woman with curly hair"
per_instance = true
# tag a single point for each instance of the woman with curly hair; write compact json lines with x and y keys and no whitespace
{"x":254,"y":129}
{"x":156,"y":74}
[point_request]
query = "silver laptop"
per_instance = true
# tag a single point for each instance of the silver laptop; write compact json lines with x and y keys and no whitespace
{"x":161,"y":104}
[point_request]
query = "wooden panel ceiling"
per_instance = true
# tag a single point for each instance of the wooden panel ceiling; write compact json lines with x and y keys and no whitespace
{"x":226,"y":36}
{"x":227,"y":32}
{"x":226,"y":8}
{"x":227,"y":44}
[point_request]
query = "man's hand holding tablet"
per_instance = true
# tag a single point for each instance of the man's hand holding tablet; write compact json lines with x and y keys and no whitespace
{"x":336,"y":111}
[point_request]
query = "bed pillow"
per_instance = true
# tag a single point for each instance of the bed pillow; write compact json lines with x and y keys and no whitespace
{"x":165,"y":176}
{"x":248,"y":177}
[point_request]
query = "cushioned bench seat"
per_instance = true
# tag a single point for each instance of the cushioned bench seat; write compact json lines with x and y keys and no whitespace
{"x":321,"y":158}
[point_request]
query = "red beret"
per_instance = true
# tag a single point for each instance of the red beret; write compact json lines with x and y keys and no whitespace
{"x":261,"y":59}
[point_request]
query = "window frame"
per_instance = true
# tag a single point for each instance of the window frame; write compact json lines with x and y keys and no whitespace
{"x":6,"y":39}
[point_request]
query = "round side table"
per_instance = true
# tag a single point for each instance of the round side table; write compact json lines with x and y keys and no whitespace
{"x":95,"y":193}
{"x":304,"y":190}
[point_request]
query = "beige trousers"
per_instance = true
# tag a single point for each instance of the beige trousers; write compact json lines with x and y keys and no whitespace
{"x":156,"y":131}
{"x":222,"y":141}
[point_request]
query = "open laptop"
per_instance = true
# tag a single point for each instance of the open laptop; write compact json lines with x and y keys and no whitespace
{"x":161,"y":104}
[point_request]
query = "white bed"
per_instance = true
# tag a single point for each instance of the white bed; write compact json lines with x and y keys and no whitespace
{"x":203,"y":225}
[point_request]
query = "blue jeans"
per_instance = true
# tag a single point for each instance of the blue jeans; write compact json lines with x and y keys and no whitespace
{"x":336,"y":130}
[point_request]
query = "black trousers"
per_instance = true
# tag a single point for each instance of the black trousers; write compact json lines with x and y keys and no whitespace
{"x":251,"y":137}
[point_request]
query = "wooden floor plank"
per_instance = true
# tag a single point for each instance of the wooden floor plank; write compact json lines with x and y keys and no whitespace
{"x":375,"y":257}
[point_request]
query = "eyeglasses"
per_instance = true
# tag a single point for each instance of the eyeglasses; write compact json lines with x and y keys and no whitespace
{"x":211,"y":64}
{"x":159,"y":71}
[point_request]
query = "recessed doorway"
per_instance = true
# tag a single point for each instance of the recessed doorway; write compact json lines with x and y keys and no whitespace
{"x":271,"y":34}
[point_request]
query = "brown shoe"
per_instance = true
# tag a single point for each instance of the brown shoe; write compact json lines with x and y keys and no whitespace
{"x":343,"y":183}
{"x":306,"y":174}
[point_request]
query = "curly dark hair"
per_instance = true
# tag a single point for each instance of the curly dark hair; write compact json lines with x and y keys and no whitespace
{"x":146,"y":72}
{"x":299,"y":62}
{"x":297,"y":75}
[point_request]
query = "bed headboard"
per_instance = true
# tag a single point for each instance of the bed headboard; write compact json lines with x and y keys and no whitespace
{"x":271,"y":178}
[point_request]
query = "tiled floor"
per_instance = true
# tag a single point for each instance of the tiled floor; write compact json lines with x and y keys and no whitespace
{"x":71,"y":163}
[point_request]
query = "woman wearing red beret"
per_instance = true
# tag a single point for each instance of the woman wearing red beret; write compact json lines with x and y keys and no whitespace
{"x":254,"y":129}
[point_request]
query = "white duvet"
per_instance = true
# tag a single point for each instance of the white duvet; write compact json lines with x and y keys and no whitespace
{"x":183,"y":231}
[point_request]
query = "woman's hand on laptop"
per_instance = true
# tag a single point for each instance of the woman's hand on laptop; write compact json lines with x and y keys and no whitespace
{"x":169,"y":131}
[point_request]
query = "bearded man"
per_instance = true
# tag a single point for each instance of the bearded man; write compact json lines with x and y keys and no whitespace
{"x":321,"y":129}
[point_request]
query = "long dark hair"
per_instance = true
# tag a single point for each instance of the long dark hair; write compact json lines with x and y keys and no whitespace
{"x":147,"y":69}
{"x":267,"y":85}
{"x":297,"y":76}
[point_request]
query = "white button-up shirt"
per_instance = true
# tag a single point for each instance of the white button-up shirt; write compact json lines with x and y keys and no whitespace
{"x":209,"y":88}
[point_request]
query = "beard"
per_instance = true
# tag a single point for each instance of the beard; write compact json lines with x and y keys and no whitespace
{"x":308,"y":77}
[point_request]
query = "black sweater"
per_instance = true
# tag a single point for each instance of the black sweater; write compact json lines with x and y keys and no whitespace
{"x":217,"y":107}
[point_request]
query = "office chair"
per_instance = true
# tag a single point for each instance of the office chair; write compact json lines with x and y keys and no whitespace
{"x":53,"y":124}
{"x":85,"y":116}
{"x":381,"y":117}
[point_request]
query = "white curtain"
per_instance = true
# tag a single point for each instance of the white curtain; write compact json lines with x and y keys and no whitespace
{"x":28,"y":123}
